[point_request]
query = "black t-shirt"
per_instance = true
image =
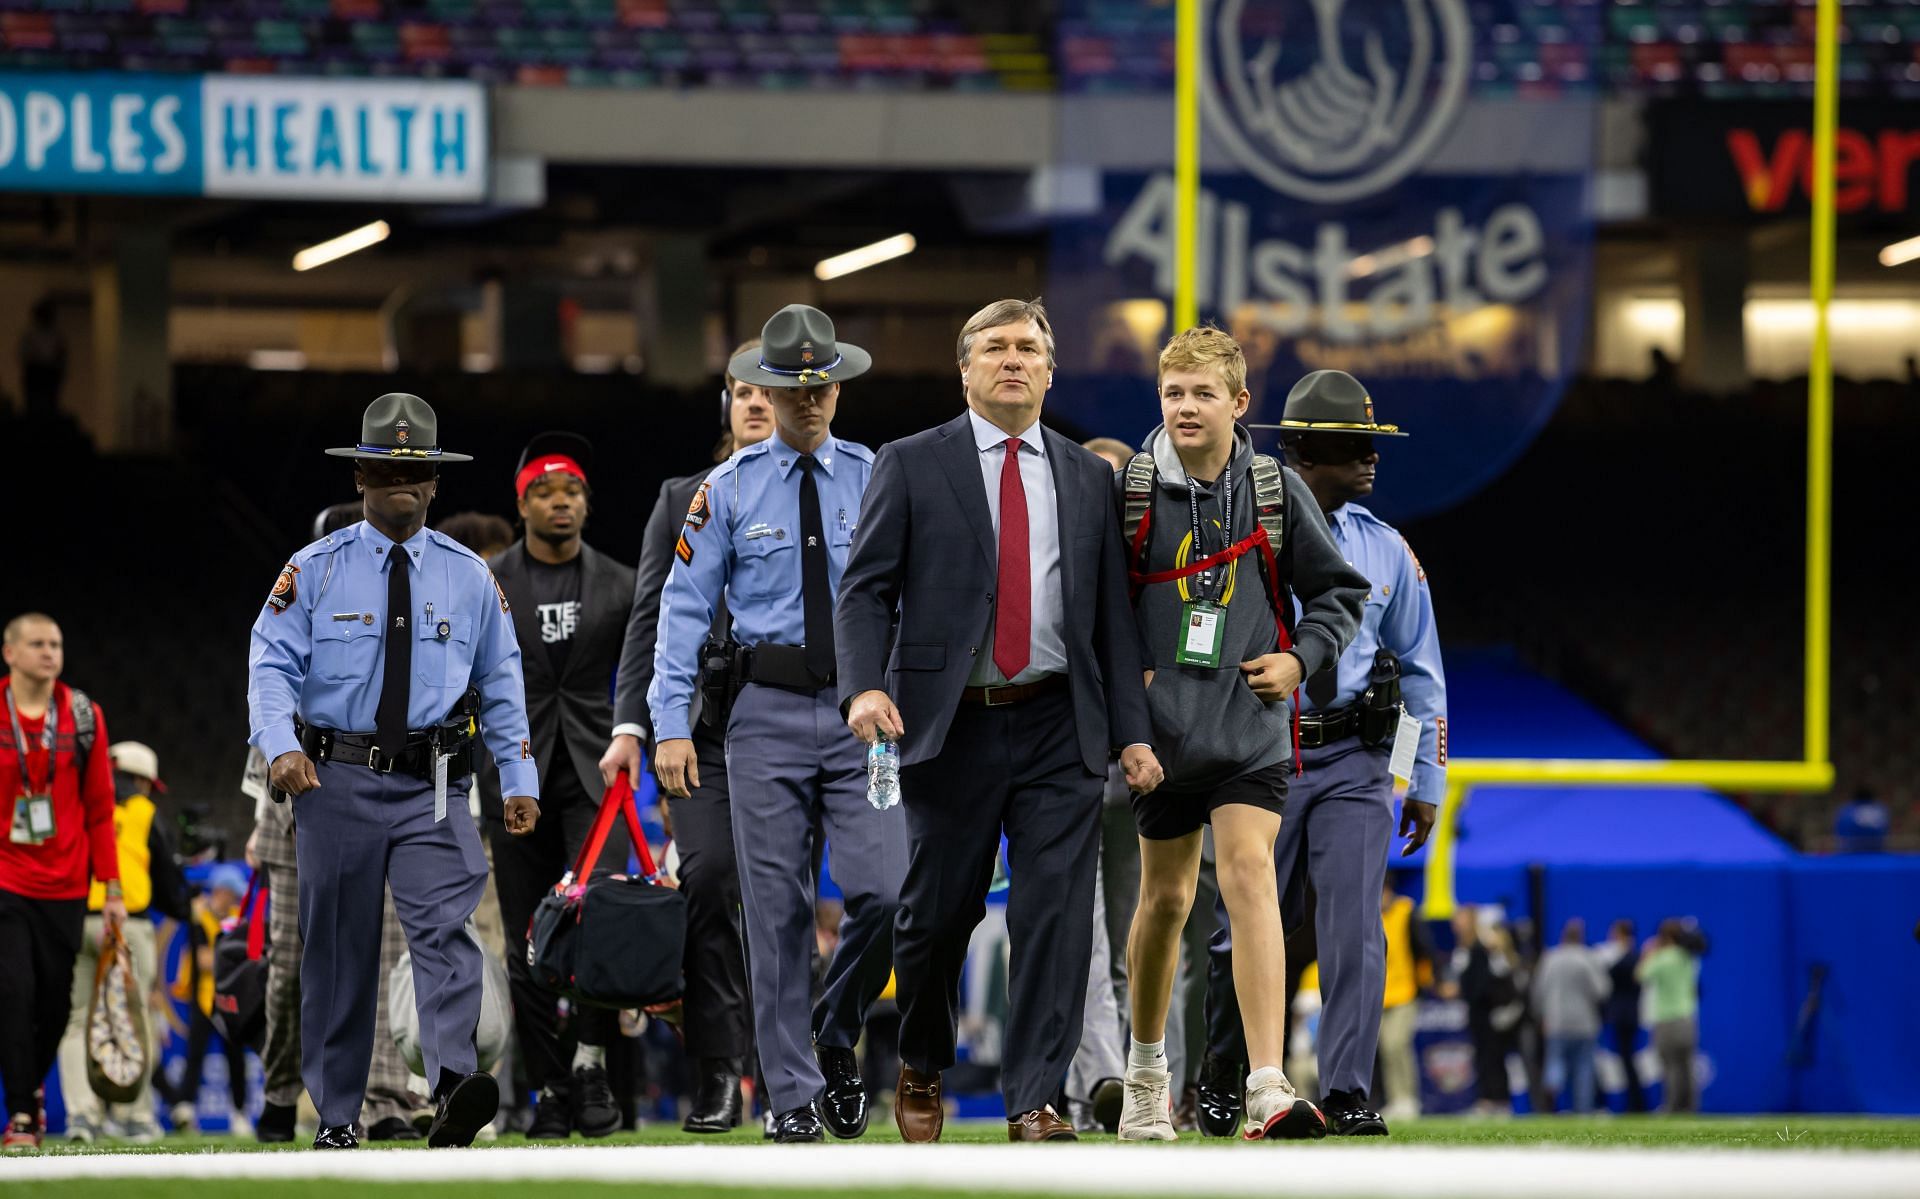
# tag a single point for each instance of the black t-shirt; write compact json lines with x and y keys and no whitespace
{"x":556,"y":599}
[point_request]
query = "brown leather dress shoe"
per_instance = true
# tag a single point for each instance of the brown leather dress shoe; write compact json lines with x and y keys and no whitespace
{"x":1042,"y":1125}
{"x":917,"y":1109}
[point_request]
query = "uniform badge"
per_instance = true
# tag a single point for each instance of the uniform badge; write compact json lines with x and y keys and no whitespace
{"x":443,"y":630}
{"x":806,"y":351}
{"x":286,"y":589}
{"x":1369,"y":403}
{"x":497,"y":591}
{"x":683,"y":551}
{"x":400,"y":430}
{"x":697,"y":511}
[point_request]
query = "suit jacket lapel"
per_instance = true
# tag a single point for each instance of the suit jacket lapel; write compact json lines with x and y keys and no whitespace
{"x":960,"y":458}
{"x":535,"y":667}
{"x":1066,"y":490}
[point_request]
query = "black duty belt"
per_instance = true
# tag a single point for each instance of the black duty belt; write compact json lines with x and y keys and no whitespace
{"x":774,"y":665}
{"x":414,"y":759}
{"x":1014,"y":693}
{"x":1325,"y":728}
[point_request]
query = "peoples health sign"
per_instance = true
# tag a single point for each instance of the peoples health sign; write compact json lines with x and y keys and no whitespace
{"x":1340,"y":226}
{"x":244,"y":136}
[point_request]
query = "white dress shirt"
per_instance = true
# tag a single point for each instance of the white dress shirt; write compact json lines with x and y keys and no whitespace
{"x":1047,"y":602}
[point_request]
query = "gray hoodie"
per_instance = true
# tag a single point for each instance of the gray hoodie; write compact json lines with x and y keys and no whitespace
{"x":1209,"y":728}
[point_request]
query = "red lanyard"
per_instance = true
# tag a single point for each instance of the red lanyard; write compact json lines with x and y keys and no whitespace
{"x":49,"y":734}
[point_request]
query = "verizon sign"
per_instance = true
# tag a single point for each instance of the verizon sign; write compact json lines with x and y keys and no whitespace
{"x":1756,"y":160}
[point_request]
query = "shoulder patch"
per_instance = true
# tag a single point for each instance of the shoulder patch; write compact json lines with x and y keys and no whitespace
{"x":1419,"y":571}
{"x":697,"y":510}
{"x":683,"y":550}
{"x":504,"y":606}
{"x":286,"y":589}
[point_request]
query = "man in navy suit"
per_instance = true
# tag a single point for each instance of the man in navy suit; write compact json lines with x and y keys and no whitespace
{"x":1015,"y":676}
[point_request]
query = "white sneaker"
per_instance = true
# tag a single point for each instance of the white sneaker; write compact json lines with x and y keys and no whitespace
{"x":239,"y":1126}
{"x":184,"y":1117}
{"x":81,"y":1130}
{"x":1147,"y":1114}
{"x":144,"y":1131}
{"x":1276,"y":1113}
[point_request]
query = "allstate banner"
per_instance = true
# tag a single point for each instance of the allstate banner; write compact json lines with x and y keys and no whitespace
{"x":244,"y":136}
{"x":1362,"y":210}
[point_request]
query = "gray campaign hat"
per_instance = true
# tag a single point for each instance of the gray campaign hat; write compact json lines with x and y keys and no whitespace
{"x":399,"y":427}
{"x":1331,"y":402}
{"x":798,"y":349}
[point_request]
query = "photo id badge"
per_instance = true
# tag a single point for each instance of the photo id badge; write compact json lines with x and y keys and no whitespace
{"x":40,"y":817}
{"x":1406,"y":744}
{"x":1203,"y":626}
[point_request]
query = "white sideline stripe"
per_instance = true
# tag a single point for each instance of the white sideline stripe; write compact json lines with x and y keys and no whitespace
{"x":1264,"y":1170}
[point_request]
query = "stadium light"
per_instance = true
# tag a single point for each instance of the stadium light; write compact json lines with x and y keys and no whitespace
{"x":885,"y":250}
{"x":339,"y":247}
{"x":1900,"y":252}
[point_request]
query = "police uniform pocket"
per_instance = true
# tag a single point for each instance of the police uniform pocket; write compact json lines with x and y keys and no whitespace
{"x":765,"y":564}
{"x":441,"y":654}
{"x":344,"y":651}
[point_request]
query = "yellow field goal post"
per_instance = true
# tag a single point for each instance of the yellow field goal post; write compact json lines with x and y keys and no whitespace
{"x":1814,"y":770}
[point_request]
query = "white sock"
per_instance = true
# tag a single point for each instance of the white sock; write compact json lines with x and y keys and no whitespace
{"x":1265,"y":1076}
{"x":586,"y":1057}
{"x":1145,"y":1056}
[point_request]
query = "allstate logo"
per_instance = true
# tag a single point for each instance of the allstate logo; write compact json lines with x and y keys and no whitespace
{"x":1328,"y":100}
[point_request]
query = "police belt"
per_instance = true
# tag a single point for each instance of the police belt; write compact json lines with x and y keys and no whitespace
{"x":414,"y":759}
{"x":774,"y":665}
{"x":1319,"y":729}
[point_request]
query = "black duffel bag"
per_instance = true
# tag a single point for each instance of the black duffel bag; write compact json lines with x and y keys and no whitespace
{"x":240,"y":974}
{"x":613,"y":941}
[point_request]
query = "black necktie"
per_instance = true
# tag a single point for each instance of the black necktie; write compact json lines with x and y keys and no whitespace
{"x":814,"y":591}
{"x":1324,"y":687}
{"x":390,"y":718}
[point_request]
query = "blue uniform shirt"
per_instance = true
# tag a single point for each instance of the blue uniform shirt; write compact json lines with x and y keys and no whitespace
{"x":318,"y":652}
{"x":742,"y":540}
{"x":1398,"y":617}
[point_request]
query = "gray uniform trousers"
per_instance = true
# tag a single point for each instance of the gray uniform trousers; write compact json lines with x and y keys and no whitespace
{"x":388,"y":1092}
{"x":792,"y":764}
{"x":1335,"y":832}
{"x":356,"y":835}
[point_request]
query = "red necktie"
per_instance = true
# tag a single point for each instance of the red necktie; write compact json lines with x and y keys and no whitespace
{"x":1013,"y":596}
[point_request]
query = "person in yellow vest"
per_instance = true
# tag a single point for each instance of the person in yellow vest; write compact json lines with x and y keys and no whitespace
{"x":1410,"y":970}
{"x":151,"y":883}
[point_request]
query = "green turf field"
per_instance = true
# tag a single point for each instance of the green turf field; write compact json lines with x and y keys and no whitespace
{"x":1743,"y":1132}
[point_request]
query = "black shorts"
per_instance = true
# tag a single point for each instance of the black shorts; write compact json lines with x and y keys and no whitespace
{"x":1167,"y":815}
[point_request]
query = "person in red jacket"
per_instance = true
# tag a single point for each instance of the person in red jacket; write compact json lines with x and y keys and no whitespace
{"x":56,"y":788}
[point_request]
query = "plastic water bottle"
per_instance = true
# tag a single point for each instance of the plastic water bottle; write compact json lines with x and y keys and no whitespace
{"x":883,"y":774}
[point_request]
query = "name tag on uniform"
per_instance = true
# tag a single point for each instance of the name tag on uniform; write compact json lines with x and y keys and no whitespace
{"x":1203,"y":627}
{"x":759,"y":531}
{"x":1406,"y":745}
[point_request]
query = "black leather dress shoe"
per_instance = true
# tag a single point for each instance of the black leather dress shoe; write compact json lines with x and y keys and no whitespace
{"x":1219,"y":1102}
{"x":393,"y":1128}
{"x":275,"y":1125}
{"x":716,"y":1098}
{"x":1349,"y":1116}
{"x":800,"y":1126}
{"x":844,"y":1100}
{"x":467,"y":1103}
{"x":340,"y":1136}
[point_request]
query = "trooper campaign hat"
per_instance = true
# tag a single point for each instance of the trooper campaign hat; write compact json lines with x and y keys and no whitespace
{"x":798,"y":349}
{"x":1331,"y":402}
{"x":399,"y":427}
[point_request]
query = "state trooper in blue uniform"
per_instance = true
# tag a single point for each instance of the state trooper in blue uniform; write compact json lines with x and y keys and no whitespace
{"x":769,"y":531}
{"x":1338,"y":823}
{"x":360,"y":661}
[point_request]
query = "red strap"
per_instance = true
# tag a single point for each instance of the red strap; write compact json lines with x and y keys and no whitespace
{"x":256,"y":909}
{"x":618,"y":801}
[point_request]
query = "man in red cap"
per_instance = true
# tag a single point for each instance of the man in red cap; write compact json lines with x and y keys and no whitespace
{"x":570,"y":605}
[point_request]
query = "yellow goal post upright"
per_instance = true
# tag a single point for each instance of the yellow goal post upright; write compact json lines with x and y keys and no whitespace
{"x":1814,"y":769}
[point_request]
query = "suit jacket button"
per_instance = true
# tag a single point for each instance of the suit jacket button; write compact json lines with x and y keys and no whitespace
{"x":973,"y":652}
